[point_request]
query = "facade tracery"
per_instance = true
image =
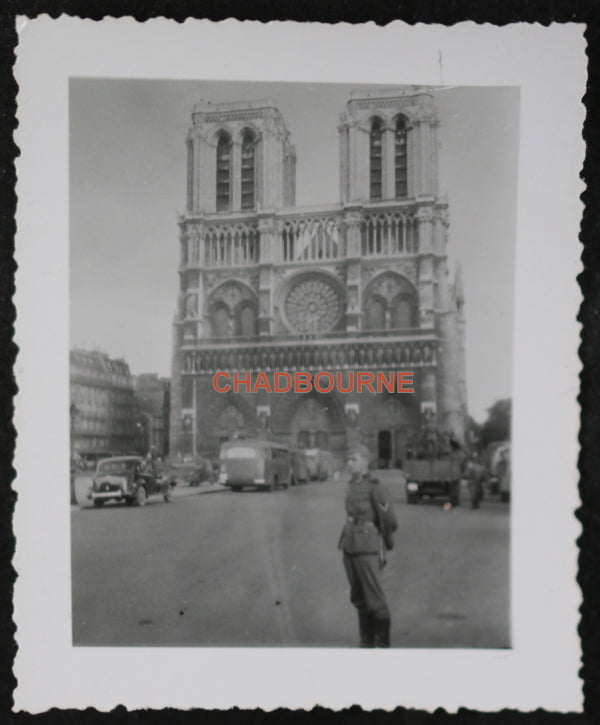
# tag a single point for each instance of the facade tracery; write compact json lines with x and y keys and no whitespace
{"x":312,"y":305}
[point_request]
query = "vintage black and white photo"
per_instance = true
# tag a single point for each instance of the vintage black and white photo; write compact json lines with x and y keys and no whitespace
{"x":307,"y":262}
{"x":304,"y":364}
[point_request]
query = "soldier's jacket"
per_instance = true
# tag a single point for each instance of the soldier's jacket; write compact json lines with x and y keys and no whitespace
{"x":370,"y":518}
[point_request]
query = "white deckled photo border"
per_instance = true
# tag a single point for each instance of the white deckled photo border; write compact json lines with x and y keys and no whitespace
{"x":541,"y":670}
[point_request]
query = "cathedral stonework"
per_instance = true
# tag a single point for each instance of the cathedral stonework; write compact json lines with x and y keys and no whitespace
{"x":361,"y":285}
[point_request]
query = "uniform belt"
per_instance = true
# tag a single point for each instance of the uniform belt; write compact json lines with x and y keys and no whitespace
{"x":356,"y":520}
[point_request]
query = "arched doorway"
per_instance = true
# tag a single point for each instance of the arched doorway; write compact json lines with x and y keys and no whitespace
{"x":393,"y":420}
{"x":310,"y":425}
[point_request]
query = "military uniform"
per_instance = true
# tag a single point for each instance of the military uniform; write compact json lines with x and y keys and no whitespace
{"x":475,"y":475}
{"x":368,"y":532}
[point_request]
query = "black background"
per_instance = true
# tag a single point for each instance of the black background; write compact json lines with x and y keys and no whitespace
{"x":448,"y":12}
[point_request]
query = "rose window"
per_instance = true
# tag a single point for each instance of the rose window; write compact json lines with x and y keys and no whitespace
{"x":312,"y":305}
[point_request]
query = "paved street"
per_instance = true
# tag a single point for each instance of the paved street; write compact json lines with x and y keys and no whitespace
{"x":262,"y":569}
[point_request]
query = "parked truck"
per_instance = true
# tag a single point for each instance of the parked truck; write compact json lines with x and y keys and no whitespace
{"x":433,"y":477}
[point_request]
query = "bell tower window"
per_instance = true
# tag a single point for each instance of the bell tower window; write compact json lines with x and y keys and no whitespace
{"x":224,"y":173}
{"x":248,"y":196}
{"x":400,"y":158}
{"x":375,"y":158}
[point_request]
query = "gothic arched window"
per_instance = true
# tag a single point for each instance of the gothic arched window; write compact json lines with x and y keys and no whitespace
{"x":403,"y":313}
{"x":221,"y":326}
{"x":247,"y":321}
{"x":224,"y":173}
{"x":400,"y":158}
{"x":247,"y":181}
{"x":375,"y":319}
{"x":375,"y":159}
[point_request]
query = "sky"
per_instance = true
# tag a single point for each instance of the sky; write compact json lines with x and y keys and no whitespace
{"x":127,"y":186}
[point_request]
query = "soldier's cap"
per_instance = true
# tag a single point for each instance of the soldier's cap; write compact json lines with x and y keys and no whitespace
{"x":360,"y":450}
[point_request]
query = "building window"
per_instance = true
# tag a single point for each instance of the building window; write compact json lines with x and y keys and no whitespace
{"x":248,"y":196}
{"x":221,"y":322}
{"x":400,"y":158}
{"x":247,"y":321}
{"x":375,"y":319}
{"x":224,"y":173}
{"x":403,"y":313}
{"x":375,"y":158}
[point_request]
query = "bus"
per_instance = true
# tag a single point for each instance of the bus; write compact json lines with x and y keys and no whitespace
{"x":320,"y":464}
{"x":258,"y":463}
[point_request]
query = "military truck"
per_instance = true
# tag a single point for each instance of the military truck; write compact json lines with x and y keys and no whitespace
{"x":433,"y":477}
{"x":434,"y":463}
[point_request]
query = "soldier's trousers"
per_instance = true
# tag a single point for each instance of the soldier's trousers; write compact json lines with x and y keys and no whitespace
{"x":366,"y":591}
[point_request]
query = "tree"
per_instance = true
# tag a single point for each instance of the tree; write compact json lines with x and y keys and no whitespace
{"x":497,"y":425}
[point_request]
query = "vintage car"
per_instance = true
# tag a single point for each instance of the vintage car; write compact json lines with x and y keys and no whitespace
{"x":193,"y":472}
{"x":130,"y":479}
{"x":496,"y":456}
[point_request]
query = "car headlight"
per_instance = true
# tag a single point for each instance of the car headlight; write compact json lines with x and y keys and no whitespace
{"x":412,"y":486}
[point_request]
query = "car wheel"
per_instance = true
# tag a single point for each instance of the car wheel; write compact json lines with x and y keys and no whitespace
{"x":411,"y":498}
{"x":98,"y":503}
{"x":140,"y":496}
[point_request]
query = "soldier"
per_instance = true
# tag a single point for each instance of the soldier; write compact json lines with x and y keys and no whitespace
{"x":367,"y":533}
{"x":153,"y":463}
{"x":474,"y":473}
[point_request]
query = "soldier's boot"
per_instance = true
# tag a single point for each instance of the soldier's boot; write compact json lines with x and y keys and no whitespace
{"x":381,"y":627}
{"x":366,"y":629}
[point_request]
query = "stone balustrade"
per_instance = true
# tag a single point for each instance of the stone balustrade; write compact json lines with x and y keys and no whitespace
{"x":314,"y":234}
{"x":379,"y":353}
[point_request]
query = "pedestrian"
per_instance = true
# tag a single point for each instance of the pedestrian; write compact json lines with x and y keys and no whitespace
{"x":504,"y":475}
{"x":367,"y":534}
{"x":474,"y":474}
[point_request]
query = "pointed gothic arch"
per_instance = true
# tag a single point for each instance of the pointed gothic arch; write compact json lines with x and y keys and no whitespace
{"x":223,"y":171}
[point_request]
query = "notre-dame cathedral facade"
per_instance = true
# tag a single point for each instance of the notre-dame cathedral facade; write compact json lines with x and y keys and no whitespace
{"x":358,"y":285}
